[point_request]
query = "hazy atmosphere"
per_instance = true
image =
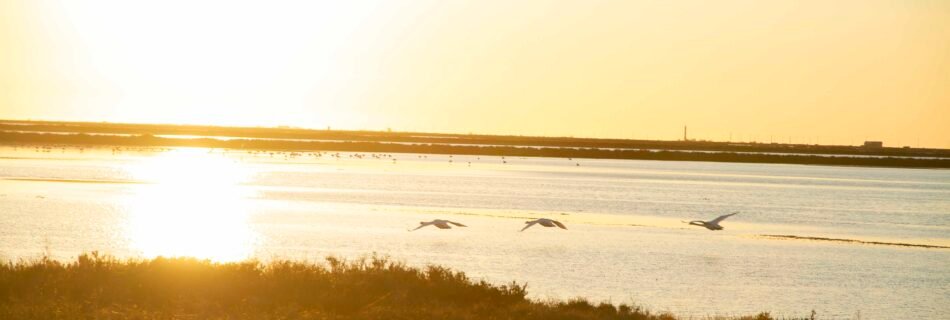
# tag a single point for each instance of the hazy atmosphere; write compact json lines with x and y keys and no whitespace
{"x":829,"y":72}
{"x":414,"y":159}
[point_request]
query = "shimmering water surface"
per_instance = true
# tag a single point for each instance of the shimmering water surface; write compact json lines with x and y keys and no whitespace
{"x":625,"y":244}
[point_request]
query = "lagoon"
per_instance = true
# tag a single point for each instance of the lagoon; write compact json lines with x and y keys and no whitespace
{"x":626,"y":242}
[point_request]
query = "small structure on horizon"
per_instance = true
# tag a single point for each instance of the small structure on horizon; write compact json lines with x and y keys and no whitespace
{"x":873,"y":144}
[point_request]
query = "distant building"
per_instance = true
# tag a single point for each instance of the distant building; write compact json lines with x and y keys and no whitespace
{"x":873,"y":144}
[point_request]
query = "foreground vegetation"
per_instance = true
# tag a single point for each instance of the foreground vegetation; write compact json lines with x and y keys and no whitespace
{"x":98,"y":287}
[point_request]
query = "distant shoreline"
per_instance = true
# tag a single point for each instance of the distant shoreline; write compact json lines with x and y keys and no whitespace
{"x":7,"y":138}
{"x":65,"y":133}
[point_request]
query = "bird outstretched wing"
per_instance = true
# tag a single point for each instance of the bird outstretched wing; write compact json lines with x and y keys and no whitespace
{"x":457,"y":224}
{"x":722,"y":217}
{"x":559,"y":224}
{"x":530,"y":223}
{"x":421,"y":225}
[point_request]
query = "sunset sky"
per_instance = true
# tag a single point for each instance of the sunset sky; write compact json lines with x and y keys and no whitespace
{"x":809,"y":71}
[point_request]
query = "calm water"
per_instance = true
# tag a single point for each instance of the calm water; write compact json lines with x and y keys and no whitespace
{"x":625,"y":241}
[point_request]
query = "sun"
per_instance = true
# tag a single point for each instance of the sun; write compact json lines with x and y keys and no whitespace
{"x":191,"y":203}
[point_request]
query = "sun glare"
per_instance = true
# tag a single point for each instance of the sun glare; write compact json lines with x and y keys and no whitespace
{"x":190,"y":204}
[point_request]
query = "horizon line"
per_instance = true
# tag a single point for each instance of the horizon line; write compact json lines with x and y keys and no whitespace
{"x":451,"y":133}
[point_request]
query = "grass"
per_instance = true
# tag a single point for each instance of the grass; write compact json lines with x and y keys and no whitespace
{"x":101,"y":287}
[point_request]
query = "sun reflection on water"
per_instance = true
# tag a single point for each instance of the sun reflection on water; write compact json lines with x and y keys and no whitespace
{"x":191,"y":204}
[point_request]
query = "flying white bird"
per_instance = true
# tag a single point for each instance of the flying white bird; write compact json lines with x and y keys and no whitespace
{"x":439,"y":223}
{"x":711,"y":224}
{"x":544,"y":222}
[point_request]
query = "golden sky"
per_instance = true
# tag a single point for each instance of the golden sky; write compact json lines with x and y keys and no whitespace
{"x":798,"y":70}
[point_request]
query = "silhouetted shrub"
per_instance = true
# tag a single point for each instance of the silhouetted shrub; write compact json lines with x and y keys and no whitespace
{"x":101,"y":287}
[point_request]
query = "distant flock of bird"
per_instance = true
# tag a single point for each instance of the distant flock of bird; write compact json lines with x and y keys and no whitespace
{"x":550,"y":223}
{"x":438,"y":223}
